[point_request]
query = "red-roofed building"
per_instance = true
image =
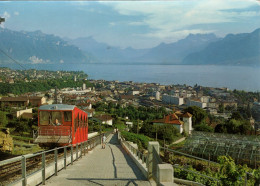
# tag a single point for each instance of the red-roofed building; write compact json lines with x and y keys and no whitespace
{"x":182,"y":121}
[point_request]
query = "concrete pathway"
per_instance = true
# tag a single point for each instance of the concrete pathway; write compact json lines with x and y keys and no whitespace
{"x":109,"y":166}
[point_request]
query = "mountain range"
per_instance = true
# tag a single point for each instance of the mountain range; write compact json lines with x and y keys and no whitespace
{"x":37,"y":48}
{"x":196,"y":49}
{"x":239,"y":49}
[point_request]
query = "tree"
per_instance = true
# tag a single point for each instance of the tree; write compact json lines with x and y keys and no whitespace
{"x":232,"y":126}
{"x":148,"y":129}
{"x":220,"y":128}
{"x":3,"y":119}
{"x":236,"y":115}
{"x":229,"y":173}
{"x":203,"y":127}
{"x":198,"y":114}
{"x":167,"y":133}
{"x":221,"y":108}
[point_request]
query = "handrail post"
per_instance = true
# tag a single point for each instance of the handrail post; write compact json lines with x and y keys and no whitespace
{"x":81,"y":150}
{"x":65,"y":157}
{"x":151,"y":145}
{"x":24,"y":170}
{"x":43,"y":168}
{"x":56,"y":161}
{"x":71,"y":151}
{"x":77,"y":148}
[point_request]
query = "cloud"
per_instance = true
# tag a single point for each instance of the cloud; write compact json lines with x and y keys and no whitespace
{"x":112,"y":24}
{"x":36,"y":60}
{"x":6,"y":15}
{"x":173,"y":36}
{"x":16,"y":13}
{"x":136,"y":23}
{"x":171,"y":19}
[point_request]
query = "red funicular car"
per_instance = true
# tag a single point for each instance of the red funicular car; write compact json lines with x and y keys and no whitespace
{"x":61,"y":125}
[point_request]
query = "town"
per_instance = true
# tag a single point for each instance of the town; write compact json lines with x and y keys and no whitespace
{"x":168,"y":114}
{"x":219,"y":103}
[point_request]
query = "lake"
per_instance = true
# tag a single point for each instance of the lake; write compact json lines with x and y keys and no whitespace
{"x":233,"y":77}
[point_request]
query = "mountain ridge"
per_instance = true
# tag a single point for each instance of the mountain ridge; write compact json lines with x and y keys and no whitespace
{"x":38,"y":48}
{"x":233,"y":49}
{"x":196,"y":49}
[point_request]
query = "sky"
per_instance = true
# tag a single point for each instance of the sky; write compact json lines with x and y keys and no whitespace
{"x":137,"y":24}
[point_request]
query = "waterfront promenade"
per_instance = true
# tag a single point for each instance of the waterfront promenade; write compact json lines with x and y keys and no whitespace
{"x":109,"y":166}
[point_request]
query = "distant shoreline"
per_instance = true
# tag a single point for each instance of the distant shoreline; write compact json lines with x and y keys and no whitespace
{"x":234,"y":77}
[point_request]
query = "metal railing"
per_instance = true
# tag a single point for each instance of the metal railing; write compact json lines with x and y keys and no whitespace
{"x":53,"y":158}
{"x":187,"y":155}
{"x":141,"y":156}
{"x":194,"y":172}
{"x":55,"y":131}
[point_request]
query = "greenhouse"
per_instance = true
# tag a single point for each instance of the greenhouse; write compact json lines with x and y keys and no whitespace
{"x":243,"y":149}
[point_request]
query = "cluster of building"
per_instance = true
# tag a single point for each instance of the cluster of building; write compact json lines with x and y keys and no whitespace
{"x":175,"y":97}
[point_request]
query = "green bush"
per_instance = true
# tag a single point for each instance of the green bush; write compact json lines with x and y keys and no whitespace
{"x":139,"y":139}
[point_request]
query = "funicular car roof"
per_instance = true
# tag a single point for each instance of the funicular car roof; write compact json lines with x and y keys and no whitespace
{"x":57,"y":107}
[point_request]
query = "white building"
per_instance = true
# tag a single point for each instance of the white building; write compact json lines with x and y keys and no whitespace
{"x":182,"y":122}
{"x":135,"y":92}
{"x":175,"y":93}
{"x":157,"y":95}
{"x":172,"y":99}
{"x":196,"y":103}
{"x":205,"y":99}
{"x":84,"y":86}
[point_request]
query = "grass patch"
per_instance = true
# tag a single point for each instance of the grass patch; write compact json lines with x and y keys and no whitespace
{"x":21,"y":148}
{"x":23,"y":138}
{"x":120,"y":126}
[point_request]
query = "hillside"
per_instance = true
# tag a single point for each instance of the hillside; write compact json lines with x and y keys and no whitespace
{"x":171,"y":53}
{"x":239,"y":49}
{"x":38,"y":48}
{"x":174,"y":53}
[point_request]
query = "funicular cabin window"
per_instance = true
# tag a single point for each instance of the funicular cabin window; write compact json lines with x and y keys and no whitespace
{"x":56,"y":118}
{"x":44,"y":118}
{"x":67,"y":116}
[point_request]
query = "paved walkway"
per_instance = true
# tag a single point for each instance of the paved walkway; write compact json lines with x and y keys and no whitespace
{"x":109,"y":166}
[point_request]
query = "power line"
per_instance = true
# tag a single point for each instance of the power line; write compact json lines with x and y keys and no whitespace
{"x":13,"y":59}
{"x":3,"y":20}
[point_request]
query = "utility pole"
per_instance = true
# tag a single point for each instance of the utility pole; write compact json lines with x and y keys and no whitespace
{"x":137,"y":128}
{"x":56,"y":97}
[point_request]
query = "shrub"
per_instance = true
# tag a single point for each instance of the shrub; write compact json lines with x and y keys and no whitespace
{"x":139,"y":139}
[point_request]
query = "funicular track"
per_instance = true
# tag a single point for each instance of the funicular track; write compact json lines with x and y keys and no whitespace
{"x":11,"y":169}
